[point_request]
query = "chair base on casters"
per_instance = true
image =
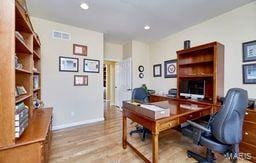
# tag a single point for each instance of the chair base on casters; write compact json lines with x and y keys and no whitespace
{"x":210,"y":158}
{"x":140,"y":130}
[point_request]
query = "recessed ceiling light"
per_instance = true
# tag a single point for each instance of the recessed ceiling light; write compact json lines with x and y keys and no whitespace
{"x":147,"y":27}
{"x":84,"y":6}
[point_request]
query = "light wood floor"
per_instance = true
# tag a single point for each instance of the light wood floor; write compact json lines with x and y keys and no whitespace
{"x":101,"y":142}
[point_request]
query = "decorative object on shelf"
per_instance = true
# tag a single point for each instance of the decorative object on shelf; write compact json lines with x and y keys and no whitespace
{"x":37,"y":103}
{"x":17,"y":64}
{"x":21,"y":90}
{"x":170,"y":68}
{"x":249,"y":73}
{"x":141,"y":68}
{"x":91,"y":66}
{"x":157,"y":70}
{"x":187,"y":44}
{"x":68,"y":64}
{"x":79,"y":49}
{"x":80,"y":80}
{"x":36,"y":81}
{"x":249,"y":51}
{"x":141,"y":75}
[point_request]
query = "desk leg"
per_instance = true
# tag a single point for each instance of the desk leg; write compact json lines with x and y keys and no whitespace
{"x":155,"y":147}
{"x":124,"y":131}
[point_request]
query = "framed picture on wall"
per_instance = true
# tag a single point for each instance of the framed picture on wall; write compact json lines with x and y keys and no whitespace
{"x":157,"y":70}
{"x":79,"y":49}
{"x":80,"y":80}
{"x":249,"y":73}
{"x":249,"y":51}
{"x":91,"y":66}
{"x":170,"y":68}
{"x":68,"y":64}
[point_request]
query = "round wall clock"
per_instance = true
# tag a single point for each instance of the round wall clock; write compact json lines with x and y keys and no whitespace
{"x":141,"y":68}
{"x":141,"y":75}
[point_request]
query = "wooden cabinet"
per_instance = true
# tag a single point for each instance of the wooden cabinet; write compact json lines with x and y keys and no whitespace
{"x":34,"y":145}
{"x":248,"y":144}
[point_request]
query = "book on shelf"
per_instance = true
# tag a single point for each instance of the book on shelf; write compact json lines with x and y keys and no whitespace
{"x":36,"y":81}
{"x":21,"y":90}
{"x":22,"y":125}
{"x":20,"y":121}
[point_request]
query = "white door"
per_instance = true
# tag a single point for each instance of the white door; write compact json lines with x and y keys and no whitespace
{"x":123,"y":81}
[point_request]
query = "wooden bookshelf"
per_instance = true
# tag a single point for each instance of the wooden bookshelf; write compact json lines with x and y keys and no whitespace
{"x":21,"y":52}
{"x":204,"y":62}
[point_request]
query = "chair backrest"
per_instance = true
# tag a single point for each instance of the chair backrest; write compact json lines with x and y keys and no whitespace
{"x":227,"y":124}
{"x":140,"y":95}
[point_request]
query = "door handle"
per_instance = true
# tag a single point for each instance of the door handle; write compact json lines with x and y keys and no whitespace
{"x":129,"y":89}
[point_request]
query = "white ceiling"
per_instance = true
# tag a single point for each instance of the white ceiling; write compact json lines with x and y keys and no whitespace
{"x":124,"y":20}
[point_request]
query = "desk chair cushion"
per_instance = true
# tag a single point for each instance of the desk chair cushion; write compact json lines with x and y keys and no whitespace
{"x":228,"y":122}
{"x":140,"y":95}
{"x":213,"y":144}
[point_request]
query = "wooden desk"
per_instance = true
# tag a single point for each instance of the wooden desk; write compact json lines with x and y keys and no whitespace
{"x":178,"y":115}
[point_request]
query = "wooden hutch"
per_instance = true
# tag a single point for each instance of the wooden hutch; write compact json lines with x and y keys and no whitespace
{"x":17,"y":38}
{"x":206,"y":62}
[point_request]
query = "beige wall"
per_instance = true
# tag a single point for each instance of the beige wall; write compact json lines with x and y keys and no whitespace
{"x":72,"y":105}
{"x":113,"y":52}
{"x":231,"y":29}
{"x":127,"y":50}
{"x":140,"y":56}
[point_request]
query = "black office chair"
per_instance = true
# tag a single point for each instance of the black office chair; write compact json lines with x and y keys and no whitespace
{"x":224,"y":130}
{"x":140,"y":95}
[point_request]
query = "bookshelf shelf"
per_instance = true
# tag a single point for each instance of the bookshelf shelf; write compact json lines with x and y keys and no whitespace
{"x":38,"y":89}
{"x":36,"y":55}
{"x":23,"y":71}
{"x":37,"y":72}
{"x":22,"y":98}
{"x":196,"y":63}
{"x":197,"y":76}
{"x":21,"y":47}
{"x":22,"y":21}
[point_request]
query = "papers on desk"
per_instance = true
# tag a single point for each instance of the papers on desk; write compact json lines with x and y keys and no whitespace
{"x":154,"y":108}
{"x":153,"y":111}
{"x":190,"y":106}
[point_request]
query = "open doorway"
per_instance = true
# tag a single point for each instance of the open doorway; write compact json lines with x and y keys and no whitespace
{"x":109,"y":82}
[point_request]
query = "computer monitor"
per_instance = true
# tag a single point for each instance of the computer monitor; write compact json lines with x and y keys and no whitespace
{"x":194,"y":89}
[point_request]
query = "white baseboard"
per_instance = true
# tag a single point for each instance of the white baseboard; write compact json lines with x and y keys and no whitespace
{"x":77,"y":123}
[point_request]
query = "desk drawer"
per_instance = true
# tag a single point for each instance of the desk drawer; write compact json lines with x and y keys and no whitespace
{"x":250,"y":116}
{"x":169,"y":124}
{"x":249,"y":133}
{"x":190,"y":117}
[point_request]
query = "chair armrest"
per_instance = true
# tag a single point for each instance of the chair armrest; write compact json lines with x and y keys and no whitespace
{"x":198,"y":126}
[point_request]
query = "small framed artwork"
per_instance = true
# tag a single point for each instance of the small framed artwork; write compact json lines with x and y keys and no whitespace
{"x":79,"y":49}
{"x":80,"y":80}
{"x":91,"y":66}
{"x":249,"y":73}
{"x":68,"y":64}
{"x":249,"y":51}
{"x":170,"y":68}
{"x":157,"y":70}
